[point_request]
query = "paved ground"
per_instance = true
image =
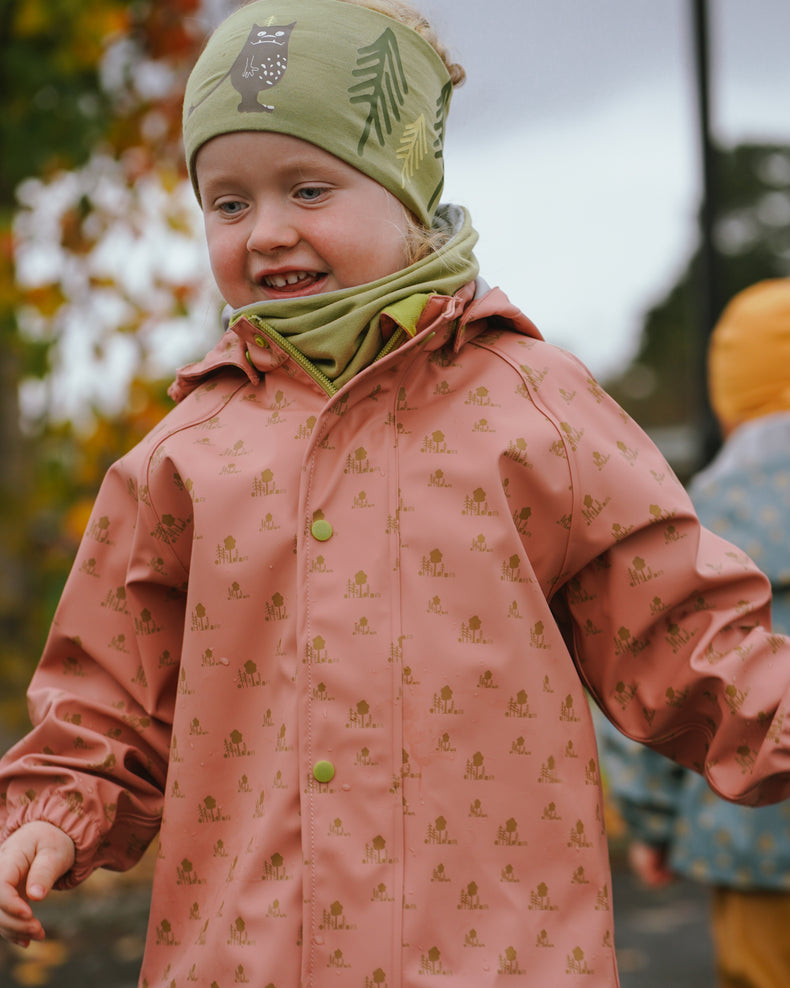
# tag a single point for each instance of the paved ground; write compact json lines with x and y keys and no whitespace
{"x":662,"y":936}
{"x":96,"y":938}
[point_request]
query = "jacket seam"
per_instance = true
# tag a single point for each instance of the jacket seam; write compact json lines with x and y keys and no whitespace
{"x":169,"y":434}
{"x":541,"y":407}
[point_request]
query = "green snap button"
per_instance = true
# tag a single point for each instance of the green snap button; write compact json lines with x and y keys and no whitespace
{"x":324,"y":771}
{"x":248,"y":355}
{"x":322,"y":530}
{"x":260,"y":341}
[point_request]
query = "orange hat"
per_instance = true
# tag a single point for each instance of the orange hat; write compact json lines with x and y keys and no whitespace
{"x":749,"y":354}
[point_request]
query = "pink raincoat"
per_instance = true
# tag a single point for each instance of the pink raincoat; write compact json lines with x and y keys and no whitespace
{"x":334,"y":650}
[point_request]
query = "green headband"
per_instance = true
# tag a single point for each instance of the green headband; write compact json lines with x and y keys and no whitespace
{"x":353,"y":81}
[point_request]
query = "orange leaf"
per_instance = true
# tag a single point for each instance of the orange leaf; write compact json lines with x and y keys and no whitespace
{"x":46,"y":298}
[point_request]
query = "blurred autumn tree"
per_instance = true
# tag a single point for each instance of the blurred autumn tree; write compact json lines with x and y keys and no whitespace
{"x":102,"y":287}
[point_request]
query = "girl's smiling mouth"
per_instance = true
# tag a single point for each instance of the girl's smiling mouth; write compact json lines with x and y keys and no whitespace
{"x":292,"y":282}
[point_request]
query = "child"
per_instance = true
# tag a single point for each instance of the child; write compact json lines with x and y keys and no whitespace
{"x":331,"y":625}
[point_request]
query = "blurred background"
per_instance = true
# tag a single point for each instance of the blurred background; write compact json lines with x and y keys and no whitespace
{"x":626,"y":162}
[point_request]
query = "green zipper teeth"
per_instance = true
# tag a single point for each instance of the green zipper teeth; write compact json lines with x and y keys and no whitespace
{"x":295,"y":355}
{"x":392,"y":343}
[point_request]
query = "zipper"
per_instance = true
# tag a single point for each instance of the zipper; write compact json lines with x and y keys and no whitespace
{"x":307,"y":366}
{"x":392,"y":344}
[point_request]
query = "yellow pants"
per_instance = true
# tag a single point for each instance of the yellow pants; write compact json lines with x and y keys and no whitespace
{"x":751,"y":934}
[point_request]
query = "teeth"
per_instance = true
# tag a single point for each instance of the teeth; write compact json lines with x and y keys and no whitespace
{"x":283,"y":280}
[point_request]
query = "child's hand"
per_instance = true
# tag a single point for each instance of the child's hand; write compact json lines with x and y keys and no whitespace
{"x":31,"y":861}
{"x":649,"y":864}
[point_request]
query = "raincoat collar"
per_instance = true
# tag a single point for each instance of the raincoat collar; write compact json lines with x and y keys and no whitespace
{"x":457,"y":319}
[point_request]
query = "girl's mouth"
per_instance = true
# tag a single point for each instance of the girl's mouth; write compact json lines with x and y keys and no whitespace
{"x":291,"y":281}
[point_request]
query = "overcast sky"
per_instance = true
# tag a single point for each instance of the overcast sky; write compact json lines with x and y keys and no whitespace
{"x":574,"y":144}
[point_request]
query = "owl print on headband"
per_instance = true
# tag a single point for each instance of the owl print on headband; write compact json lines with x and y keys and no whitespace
{"x":260,"y":65}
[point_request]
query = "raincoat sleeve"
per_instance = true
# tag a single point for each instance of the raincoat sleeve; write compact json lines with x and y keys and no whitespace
{"x":669,"y":624}
{"x":102,"y":698}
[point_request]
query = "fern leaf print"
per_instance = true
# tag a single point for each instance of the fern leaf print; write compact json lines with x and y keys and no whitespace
{"x":413,"y":147}
{"x":383,"y":86}
{"x":442,"y":109}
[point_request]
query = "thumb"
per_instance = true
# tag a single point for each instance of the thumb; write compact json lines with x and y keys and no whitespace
{"x":49,"y":863}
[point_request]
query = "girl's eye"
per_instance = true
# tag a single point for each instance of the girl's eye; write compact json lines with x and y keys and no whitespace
{"x":231,"y":207}
{"x":310,"y":193}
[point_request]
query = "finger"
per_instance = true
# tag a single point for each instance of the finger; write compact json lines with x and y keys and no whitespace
{"x":44,"y":872}
{"x":16,"y":907}
{"x":46,"y":868}
{"x":12,"y":902}
{"x":17,"y":931}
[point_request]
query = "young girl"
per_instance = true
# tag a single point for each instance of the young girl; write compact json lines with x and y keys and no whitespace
{"x":331,"y":625}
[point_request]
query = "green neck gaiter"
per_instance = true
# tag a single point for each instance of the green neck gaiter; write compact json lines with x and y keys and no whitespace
{"x":339,"y":333}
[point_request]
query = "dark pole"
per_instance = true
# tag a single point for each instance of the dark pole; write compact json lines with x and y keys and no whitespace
{"x":707,"y":282}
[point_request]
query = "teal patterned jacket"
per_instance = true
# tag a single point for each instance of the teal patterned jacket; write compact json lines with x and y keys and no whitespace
{"x":744,"y":496}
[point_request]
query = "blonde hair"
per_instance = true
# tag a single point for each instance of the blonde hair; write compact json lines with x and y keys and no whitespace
{"x":421,"y":241}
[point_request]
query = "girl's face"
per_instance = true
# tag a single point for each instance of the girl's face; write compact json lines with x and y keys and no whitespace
{"x":285,"y":219}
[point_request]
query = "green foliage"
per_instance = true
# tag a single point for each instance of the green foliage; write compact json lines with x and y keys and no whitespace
{"x":51,"y":93}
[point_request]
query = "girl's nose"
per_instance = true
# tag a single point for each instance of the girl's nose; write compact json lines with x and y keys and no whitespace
{"x":273,"y":230}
